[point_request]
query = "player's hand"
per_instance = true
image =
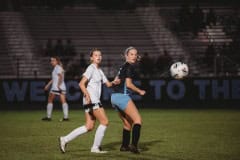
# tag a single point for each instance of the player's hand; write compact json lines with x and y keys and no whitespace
{"x":60,"y":90}
{"x":46,"y":88}
{"x":142,"y":92}
{"x":116,"y":81}
{"x":87,"y":98}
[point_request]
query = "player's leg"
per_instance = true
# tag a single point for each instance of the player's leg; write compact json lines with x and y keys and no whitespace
{"x":49,"y":107}
{"x":132,"y":112}
{"x":100,"y":115}
{"x":64,"y":107}
{"x":120,"y":101}
{"x":127,"y":126}
{"x":89,"y":125}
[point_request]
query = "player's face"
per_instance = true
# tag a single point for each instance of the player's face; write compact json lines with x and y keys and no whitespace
{"x":96,"y":57}
{"x":53,"y":61}
{"x":132,"y":56}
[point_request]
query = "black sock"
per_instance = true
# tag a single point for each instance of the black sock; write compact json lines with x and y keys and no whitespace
{"x":125,"y":137}
{"x":136,"y":134}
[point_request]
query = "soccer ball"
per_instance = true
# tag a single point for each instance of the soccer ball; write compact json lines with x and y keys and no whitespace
{"x":179,"y":70}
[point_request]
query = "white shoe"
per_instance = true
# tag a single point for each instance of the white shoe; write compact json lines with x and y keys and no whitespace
{"x":97,"y":150}
{"x":62,"y":144}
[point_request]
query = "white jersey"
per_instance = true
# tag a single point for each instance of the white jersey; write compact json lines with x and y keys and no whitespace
{"x":58,"y":70}
{"x":96,"y":78}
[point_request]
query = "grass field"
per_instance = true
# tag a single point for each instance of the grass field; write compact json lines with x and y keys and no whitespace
{"x":167,"y":134}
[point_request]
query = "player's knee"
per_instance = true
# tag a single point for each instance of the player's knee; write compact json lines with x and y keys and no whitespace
{"x":127,"y":125}
{"x":104,"y":122}
{"x":63,"y":100}
{"x":50,"y":100}
{"x":137,"y":120}
{"x":89,"y":127}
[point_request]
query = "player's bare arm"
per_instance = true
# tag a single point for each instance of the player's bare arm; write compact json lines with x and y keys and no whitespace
{"x":116,"y":81}
{"x":48,"y":84}
{"x":131,"y":86}
{"x":83,"y":88}
{"x":60,"y":79}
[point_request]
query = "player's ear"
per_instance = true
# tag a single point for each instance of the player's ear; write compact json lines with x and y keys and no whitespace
{"x":139,"y":58}
{"x":91,"y":59}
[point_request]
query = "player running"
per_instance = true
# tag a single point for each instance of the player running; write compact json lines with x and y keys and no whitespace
{"x":91,"y":84}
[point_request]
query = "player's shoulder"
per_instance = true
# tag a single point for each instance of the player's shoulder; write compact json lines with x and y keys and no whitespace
{"x":90,"y":67}
{"x":125,"y":65}
{"x":128,"y":66}
{"x":57,"y":67}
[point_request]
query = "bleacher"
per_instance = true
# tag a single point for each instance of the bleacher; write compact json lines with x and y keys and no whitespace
{"x":23,"y":60}
{"x":148,"y":28}
{"x":197,"y":45}
{"x":8,"y":67}
{"x":89,"y":27}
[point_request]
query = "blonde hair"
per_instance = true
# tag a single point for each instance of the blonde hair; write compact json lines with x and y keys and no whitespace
{"x":130,"y":48}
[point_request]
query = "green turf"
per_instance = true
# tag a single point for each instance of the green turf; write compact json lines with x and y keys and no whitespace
{"x":183,"y":134}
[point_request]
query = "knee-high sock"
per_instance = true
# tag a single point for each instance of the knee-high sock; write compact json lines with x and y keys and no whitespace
{"x":49,"y":110}
{"x":65,"y":110}
{"x":136,"y":134}
{"x":99,"y":136}
{"x":125,"y":137}
{"x":75,"y":133}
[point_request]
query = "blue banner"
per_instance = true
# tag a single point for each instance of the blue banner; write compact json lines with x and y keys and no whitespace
{"x":164,"y":91}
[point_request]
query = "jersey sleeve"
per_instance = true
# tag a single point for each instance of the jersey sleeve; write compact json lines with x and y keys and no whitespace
{"x":104,"y":78}
{"x":88,"y":73}
{"x":59,"y":70}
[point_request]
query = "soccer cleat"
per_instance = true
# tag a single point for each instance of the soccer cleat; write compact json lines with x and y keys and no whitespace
{"x":124,"y":148}
{"x":46,"y":119}
{"x":97,"y":150}
{"x":134,"y":149}
{"x":62,"y":144}
{"x":64,"y":119}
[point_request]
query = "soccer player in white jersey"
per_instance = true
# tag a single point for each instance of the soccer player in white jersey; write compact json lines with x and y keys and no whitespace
{"x":58,"y":88}
{"x":91,"y":84}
